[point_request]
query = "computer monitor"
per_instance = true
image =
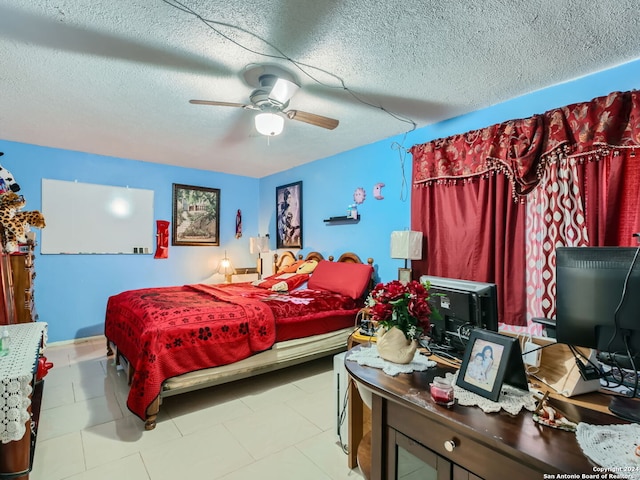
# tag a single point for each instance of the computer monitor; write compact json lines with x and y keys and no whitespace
{"x":598,"y":304}
{"x":463,"y":305}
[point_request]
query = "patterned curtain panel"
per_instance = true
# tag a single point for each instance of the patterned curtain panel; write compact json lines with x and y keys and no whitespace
{"x":579,"y":203}
{"x":589,"y":129}
{"x":577,"y":170}
{"x":555,"y":217}
{"x":512,"y":148}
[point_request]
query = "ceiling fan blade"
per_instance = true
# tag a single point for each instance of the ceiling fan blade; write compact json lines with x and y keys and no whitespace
{"x":220,"y":104}
{"x":313,"y":119}
{"x":282,"y":91}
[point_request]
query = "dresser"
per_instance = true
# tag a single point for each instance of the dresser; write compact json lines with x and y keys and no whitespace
{"x":7,"y":300}
{"x":411,"y":433}
{"x":23,"y":275}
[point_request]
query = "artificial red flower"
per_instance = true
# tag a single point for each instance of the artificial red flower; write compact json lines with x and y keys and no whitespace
{"x":404,"y":306}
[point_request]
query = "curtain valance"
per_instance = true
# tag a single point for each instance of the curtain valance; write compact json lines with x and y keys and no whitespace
{"x":519,"y":148}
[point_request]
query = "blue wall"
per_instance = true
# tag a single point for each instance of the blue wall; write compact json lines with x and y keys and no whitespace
{"x":328,"y":184}
{"x":71,"y":290}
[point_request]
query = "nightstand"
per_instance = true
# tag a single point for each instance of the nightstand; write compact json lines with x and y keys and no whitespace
{"x":359,"y":414}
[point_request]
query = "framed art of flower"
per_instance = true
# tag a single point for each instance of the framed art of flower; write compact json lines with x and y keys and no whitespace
{"x":196,"y":215}
{"x":289,"y":215}
{"x":491,"y":359}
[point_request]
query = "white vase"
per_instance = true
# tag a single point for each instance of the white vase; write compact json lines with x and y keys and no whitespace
{"x":394,"y":347}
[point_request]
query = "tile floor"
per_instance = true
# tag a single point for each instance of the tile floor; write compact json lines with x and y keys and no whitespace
{"x":278,"y":425}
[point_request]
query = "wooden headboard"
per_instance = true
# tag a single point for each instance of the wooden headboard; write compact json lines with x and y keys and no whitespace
{"x":286,"y":258}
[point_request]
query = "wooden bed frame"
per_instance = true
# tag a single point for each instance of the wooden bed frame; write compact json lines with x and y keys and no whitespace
{"x":281,"y":355}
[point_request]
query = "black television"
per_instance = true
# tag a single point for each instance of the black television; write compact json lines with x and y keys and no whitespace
{"x":463,"y":305}
{"x":598,"y":307}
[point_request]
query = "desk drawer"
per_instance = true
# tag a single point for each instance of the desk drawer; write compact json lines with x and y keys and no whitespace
{"x":483,"y":460}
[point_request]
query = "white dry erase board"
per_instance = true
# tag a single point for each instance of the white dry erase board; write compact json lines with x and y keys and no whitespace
{"x":84,"y":218}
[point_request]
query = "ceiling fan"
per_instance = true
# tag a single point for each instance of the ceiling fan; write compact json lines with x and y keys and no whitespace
{"x":274,"y":88}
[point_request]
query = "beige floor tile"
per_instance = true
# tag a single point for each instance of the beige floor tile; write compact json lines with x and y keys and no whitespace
{"x":58,"y":458}
{"x":57,"y":395}
{"x":276,"y":425}
{"x":121,"y":438}
{"x":207,"y":454}
{"x":318,"y":408}
{"x":325,"y":452}
{"x":271,"y":429}
{"x":75,"y":372}
{"x":88,"y":351}
{"x":59,"y":356}
{"x":92,"y":387}
{"x":77,"y":416}
{"x":129,"y":468}
{"x":319,"y":378}
{"x":197,"y":410}
{"x":284,"y":465}
{"x":271,"y":394}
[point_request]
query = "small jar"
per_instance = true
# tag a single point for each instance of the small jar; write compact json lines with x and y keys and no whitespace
{"x":441,"y":392}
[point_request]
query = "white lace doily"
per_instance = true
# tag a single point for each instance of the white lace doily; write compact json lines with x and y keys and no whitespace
{"x":369,"y":356}
{"x":511,"y":399}
{"x":612,"y":447}
{"x":16,"y":374}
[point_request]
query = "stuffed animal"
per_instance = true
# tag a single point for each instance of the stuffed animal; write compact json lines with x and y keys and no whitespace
{"x":16,"y":223}
{"x":16,"y":228}
{"x":10,"y":203}
{"x":7,"y":182}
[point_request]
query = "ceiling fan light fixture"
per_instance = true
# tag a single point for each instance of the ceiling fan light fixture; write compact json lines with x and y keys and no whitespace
{"x":269,"y":124}
{"x":282,"y":91}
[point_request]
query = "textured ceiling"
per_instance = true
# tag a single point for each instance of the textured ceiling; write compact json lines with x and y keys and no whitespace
{"x":115,"y":77}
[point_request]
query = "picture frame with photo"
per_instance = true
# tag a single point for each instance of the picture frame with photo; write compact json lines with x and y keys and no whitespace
{"x":289,"y":215}
{"x":196,"y":216}
{"x":491,"y":359}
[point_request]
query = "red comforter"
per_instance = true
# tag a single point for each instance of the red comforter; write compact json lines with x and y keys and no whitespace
{"x":170,"y":331}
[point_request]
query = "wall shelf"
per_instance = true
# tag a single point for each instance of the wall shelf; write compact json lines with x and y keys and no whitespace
{"x":343,"y":220}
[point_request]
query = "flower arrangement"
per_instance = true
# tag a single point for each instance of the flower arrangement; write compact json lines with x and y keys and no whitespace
{"x":404,"y":306}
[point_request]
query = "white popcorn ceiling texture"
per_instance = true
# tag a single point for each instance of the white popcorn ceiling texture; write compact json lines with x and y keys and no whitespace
{"x":115,"y":77}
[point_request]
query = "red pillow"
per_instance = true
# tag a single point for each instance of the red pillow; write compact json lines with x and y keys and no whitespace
{"x":283,"y":282}
{"x":349,"y":279}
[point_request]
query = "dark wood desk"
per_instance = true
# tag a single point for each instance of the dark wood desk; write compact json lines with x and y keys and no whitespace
{"x":467,"y":442}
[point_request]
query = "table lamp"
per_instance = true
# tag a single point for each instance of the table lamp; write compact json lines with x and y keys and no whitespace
{"x":225,"y":267}
{"x":407,"y":245}
{"x":259,"y":245}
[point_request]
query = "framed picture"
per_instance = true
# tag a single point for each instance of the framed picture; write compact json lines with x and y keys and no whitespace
{"x":490,"y":359}
{"x":196,"y":215}
{"x":289,"y":215}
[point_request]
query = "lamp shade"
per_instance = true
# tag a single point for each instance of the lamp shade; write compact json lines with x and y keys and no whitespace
{"x":269,"y":124}
{"x":225,"y":267}
{"x":406,"y":244}
{"x":258,"y":244}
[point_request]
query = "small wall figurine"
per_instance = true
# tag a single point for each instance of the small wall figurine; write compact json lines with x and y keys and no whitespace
{"x":377,"y":191}
{"x":162,"y":239}
{"x":359,"y":195}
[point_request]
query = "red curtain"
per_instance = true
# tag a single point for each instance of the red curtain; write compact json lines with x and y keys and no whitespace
{"x":475,"y":231}
{"x":612,"y":197}
{"x":463,"y":184}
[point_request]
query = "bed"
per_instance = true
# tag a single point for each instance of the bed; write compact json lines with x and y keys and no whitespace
{"x":172,"y":340}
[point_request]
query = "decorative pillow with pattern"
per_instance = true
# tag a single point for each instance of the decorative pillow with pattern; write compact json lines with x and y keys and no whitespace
{"x":283,"y":282}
